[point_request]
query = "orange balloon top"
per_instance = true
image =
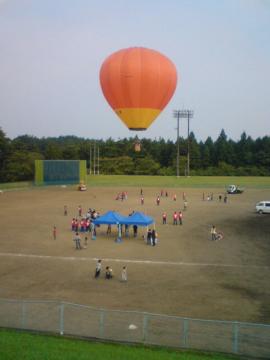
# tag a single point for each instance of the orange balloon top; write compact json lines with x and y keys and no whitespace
{"x":138,"y":78}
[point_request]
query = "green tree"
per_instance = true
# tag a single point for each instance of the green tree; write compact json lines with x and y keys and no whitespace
{"x":221,"y":148}
{"x":21,"y":165}
{"x":52,"y":151}
{"x":71,"y":152}
{"x":4,"y":151}
{"x":146,"y":166}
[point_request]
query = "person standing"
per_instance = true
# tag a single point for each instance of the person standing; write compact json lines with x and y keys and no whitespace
{"x":73,"y":224}
{"x":164,"y":218}
{"x":77,"y":240}
{"x":149,"y":237}
{"x":135,"y":230}
{"x":76,"y":225}
{"x":153,"y":235}
{"x":142,"y":200}
{"x":109,"y":229}
{"x":185,"y":205}
{"x":124,"y":274}
{"x":180,"y":217}
{"x":174,"y":197}
{"x":175,"y":218}
{"x":80,"y":210}
{"x":98,"y":269}
{"x":158,"y":200}
{"x":65,"y":210}
{"x":126,"y":230}
{"x":54,"y":232}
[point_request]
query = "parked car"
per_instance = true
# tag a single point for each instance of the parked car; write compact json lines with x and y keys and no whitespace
{"x":234,"y":189}
{"x":263,"y":207}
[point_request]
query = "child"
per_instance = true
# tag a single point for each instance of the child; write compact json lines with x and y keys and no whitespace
{"x":77,"y":240}
{"x":108,"y":273}
{"x":98,"y":269}
{"x":54,"y":232}
{"x":124,"y":274}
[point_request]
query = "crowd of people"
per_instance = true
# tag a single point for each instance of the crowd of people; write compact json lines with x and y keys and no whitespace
{"x":82,"y":224}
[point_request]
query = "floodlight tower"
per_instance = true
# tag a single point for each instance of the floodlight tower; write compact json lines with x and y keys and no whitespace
{"x":187,"y":114}
{"x":176,"y":114}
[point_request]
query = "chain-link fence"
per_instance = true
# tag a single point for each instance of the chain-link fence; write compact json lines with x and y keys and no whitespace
{"x":136,"y":327}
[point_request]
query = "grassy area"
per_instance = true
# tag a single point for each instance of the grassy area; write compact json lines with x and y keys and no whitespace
{"x":16,"y":185}
{"x":21,"y":345}
{"x":171,"y":181}
{"x":255,"y":182}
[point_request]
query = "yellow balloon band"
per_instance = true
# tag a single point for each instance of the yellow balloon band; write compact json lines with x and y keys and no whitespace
{"x":137,"y":118}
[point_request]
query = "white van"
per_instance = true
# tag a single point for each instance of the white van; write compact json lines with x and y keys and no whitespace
{"x":263,"y":207}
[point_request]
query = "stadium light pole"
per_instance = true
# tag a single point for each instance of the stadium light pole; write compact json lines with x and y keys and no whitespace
{"x":94,"y":158}
{"x":98,"y":159}
{"x":176,"y":114}
{"x":187,"y":114}
{"x":90,"y":159}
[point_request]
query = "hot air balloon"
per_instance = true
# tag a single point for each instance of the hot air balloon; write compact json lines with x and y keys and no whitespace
{"x":138,"y":83}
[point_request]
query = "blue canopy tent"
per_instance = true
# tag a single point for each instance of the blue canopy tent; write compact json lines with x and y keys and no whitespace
{"x":110,"y":218}
{"x":114,"y":218}
{"x":139,"y":218}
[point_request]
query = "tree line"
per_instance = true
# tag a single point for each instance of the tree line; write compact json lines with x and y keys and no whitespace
{"x":222,"y":156}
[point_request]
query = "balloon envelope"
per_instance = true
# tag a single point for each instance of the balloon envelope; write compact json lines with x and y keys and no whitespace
{"x":138,"y":83}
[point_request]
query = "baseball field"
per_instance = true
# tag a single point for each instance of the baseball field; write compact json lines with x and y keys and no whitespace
{"x":186,"y":274}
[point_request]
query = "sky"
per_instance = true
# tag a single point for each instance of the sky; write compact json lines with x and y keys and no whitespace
{"x":51,"y":52}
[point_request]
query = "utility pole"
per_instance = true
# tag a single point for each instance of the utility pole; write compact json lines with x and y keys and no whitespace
{"x":94,"y":158}
{"x":90,"y":159}
{"x":176,"y":114}
{"x":98,"y":160}
{"x":188,"y":114}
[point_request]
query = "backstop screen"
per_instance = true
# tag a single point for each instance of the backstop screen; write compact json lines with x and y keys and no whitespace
{"x":58,"y":172}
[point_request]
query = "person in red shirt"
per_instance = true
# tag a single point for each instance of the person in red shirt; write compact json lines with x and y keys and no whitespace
{"x":164,"y":218}
{"x":175,"y":216}
{"x":88,"y":225}
{"x":82,"y":225}
{"x":76,"y":225}
{"x":73,"y":224}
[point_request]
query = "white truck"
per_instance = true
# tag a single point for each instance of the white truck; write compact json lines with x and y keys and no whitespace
{"x":234,"y":189}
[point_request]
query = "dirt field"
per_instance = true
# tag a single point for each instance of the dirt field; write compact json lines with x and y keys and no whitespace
{"x":186,"y":274}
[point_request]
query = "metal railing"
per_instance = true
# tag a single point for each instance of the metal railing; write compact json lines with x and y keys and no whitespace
{"x":136,"y":327}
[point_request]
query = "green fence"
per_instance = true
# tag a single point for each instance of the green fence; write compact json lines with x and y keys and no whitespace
{"x":55,"y":172}
{"x":240,"y":338}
